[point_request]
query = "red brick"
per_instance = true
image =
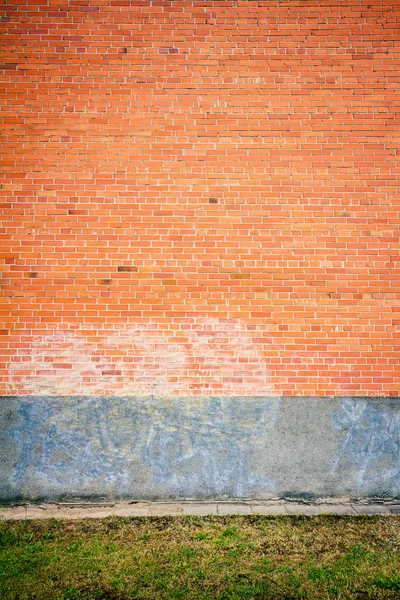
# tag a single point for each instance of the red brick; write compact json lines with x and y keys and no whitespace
{"x":203,"y":195}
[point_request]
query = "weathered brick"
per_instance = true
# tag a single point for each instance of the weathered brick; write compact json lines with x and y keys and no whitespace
{"x":200,"y":197}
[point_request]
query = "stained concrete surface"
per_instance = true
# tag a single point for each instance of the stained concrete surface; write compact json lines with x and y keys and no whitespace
{"x":163,"y":448}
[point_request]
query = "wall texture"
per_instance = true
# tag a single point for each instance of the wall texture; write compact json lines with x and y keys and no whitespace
{"x":201,"y":199}
{"x":198,"y":447}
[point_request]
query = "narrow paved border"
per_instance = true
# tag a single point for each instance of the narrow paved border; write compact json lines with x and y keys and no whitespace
{"x":149,"y":509}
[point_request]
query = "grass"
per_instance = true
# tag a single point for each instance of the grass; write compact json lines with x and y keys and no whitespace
{"x":221,"y":558}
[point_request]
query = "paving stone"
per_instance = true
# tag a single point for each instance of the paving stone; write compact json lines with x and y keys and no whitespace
{"x":234,"y":509}
{"x":337,"y":509}
{"x":302,"y":509}
{"x":371,"y":509}
{"x":96,"y":513}
{"x":13,"y":513}
{"x":84,"y":504}
{"x":71,"y":513}
{"x":200,"y":510}
{"x":269,"y":509}
{"x":38,"y":513}
{"x":165,"y":509}
{"x":132,"y":510}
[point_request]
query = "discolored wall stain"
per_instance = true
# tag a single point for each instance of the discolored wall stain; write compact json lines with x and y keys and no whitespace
{"x":370,"y":444}
{"x":143,"y":359}
{"x":141,"y":447}
{"x":158,"y":448}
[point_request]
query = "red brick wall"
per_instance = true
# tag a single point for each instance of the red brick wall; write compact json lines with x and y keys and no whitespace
{"x":200,"y":197}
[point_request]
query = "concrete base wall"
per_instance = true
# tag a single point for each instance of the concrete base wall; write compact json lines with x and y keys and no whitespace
{"x":54,"y":448}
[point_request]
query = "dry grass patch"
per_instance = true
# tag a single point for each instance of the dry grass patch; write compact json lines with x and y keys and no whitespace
{"x":222,"y":558}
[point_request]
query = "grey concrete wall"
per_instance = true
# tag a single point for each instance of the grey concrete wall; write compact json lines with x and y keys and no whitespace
{"x":54,"y":448}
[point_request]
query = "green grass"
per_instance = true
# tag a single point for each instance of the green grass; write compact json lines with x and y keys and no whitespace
{"x":221,"y":558}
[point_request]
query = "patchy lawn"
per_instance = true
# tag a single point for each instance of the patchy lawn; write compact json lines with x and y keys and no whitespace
{"x":224,"y":558}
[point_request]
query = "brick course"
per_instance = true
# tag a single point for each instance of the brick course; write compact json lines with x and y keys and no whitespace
{"x":200,"y":197}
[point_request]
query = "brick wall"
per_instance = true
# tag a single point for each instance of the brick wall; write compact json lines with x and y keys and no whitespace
{"x":200,"y":197}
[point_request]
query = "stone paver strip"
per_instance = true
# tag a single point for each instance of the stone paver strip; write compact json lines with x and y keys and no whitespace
{"x":200,"y":510}
{"x":394,"y":508}
{"x":234,"y":509}
{"x":337,"y":509}
{"x":371,"y":509}
{"x":269,"y":509}
{"x":57,"y":513}
{"x":15,"y":513}
{"x":145,"y":509}
{"x":96,"y":513}
{"x":139,"y":509}
{"x":165,"y":509}
{"x":303,"y":509}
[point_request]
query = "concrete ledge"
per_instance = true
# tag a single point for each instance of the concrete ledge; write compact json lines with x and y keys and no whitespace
{"x":200,"y":448}
{"x":153,"y":509}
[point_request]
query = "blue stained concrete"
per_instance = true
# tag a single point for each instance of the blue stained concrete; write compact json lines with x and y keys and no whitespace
{"x":201,"y":447}
{"x":370,"y":443}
